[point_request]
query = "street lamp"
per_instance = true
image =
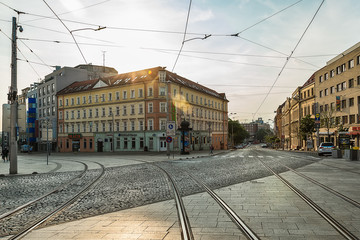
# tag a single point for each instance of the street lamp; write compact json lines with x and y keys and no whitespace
{"x":232,"y":129}
{"x":162,"y":78}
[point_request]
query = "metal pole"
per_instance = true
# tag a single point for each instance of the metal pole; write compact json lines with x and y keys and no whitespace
{"x":13,"y":106}
{"x":167,"y":115}
{"x":47,"y":141}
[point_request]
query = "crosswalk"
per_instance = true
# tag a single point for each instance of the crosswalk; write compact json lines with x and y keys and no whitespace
{"x":262,"y":156}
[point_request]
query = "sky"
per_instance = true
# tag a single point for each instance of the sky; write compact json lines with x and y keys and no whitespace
{"x":142,"y":34}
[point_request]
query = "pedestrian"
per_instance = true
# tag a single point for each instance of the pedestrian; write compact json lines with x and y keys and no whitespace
{"x":211,"y":149}
{"x":3,"y":154}
{"x":6,"y":152}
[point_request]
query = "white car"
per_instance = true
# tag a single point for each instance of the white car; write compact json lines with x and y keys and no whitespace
{"x":325,"y":148}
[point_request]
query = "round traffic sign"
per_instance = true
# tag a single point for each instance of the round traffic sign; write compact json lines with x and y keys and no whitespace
{"x":169,"y":139}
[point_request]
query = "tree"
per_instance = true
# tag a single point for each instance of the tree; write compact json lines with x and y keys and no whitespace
{"x":327,"y":121}
{"x":307,"y":127}
{"x":234,"y":127}
{"x":261,"y":133}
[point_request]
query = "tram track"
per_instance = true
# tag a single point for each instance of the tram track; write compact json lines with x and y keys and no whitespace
{"x":49,"y":205}
{"x":342,"y":230}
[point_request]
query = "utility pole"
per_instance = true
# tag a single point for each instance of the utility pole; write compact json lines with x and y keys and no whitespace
{"x":13,"y":102}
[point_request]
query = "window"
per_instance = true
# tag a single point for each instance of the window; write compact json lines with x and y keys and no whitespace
{"x":343,"y":103}
{"x":125,"y":143}
{"x":66,"y":115}
{"x":117,"y":95}
{"x":60,"y":115}
{"x":124,"y":94}
{"x":133,"y":143}
{"x":351,"y":63}
{"x":140,"y":93}
{"x":78,"y":114}
{"x":110,"y":111}
{"x":124,"y":111}
{"x":90,"y":143}
{"x":187,"y":97}
{"x":96,"y":127}
{"x":78,"y":100}
{"x":174,"y":92}
{"x":84,"y":100}
{"x":321,"y":93}
{"x":343,"y":85}
{"x":351,"y":102}
{"x":332,"y":106}
{"x":326,"y":92}
{"x":150,"y":124}
{"x":326,"y":76}
{"x":96,"y":112}
{"x":72,"y":101}
{"x":103,"y":112}
{"x":132,"y":93}
{"x":85,"y":143}
{"x":141,"y":143}
{"x":141,"y":109}
{"x":60,"y":128}
{"x":358,"y":60}
{"x":117,"y":111}
{"x":332,"y":73}
{"x":110,"y":96}
{"x":132,"y":109}
{"x":117,"y":126}
{"x":150,"y":107}
{"x":344,"y":119}
{"x":103,"y":127}
{"x":332,"y":90}
{"x":358,"y":80}
{"x":60,"y":102}
{"x":351,"y":83}
{"x":132,"y":124}
{"x":110,"y":127}
{"x":103,"y":97}
{"x":84,"y":127}
{"x":53,"y":87}
{"x":84,"y":113}
{"x":90,"y":113}
{"x":141,"y":125}
{"x":96,"y":98}
{"x":162,"y":91}
{"x":72,"y":128}
{"x":163,"y":107}
{"x":72,"y":114}
{"x":150,"y":91}
{"x":90,"y":100}
{"x":125,"y":126}
{"x":162,"y":124}
{"x":352,"y":118}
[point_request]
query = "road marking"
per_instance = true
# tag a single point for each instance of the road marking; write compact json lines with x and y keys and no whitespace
{"x":251,"y":156}
{"x":261,"y":156}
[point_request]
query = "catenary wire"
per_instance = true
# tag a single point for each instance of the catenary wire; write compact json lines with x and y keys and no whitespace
{"x":68,"y":30}
{"x":182,"y":44}
{"x":287,"y":60}
{"x":35,"y":54}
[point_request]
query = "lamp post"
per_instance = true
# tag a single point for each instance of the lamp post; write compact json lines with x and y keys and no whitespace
{"x":113,"y":132}
{"x":232,"y":129}
{"x":47,"y":140}
{"x":162,"y":78}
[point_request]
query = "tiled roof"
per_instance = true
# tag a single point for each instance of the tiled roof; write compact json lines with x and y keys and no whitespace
{"x":309,"y":81}
{"x":145,"y":75}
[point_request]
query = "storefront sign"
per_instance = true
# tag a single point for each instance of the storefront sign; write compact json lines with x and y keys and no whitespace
{"x":74,"y":136}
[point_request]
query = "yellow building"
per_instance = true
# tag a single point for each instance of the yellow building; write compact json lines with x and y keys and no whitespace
{"x":128,"y":112}
{"x":337,"y":88}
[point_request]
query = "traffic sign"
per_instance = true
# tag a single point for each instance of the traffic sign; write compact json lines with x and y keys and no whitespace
{"x":170,"y":128}
{"x":317,"y":117}
{"x":169,"y":139}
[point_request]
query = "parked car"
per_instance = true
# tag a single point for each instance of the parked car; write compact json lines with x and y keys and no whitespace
{"x":25,"y":148}
{"x":325,"y":148}
{"x":264,"y":145}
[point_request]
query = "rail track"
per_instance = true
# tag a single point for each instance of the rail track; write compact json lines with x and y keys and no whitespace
{"x":343,"y":231}
{"x":50,"y":207}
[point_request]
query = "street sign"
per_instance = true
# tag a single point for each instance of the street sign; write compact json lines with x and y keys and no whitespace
{"x":170,"y":128}
{"x":169,"y":139}
{"x":317,"y":117}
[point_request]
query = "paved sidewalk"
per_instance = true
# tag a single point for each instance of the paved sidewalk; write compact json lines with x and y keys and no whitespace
{"x":62,"y":162}
{"x":266,"y":205}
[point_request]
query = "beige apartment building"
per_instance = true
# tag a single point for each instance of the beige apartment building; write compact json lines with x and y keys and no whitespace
{"x":337,"y":87}
{"x":295,"y":119}
{"x":285,"y":124}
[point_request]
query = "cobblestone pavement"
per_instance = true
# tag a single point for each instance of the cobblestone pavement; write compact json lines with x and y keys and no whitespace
{"x":265,"y":204}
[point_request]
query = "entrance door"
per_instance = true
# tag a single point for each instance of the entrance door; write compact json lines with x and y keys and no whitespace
{"x":162,"y":144}
{"x":100,"y":146}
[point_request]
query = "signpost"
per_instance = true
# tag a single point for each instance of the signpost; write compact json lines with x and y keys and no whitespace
{"x":170,"y":128}
{"x":169,"y":139}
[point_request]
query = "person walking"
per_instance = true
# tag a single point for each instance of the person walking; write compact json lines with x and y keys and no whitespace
{"x":5,"y":154}
{"x":211,"y":149}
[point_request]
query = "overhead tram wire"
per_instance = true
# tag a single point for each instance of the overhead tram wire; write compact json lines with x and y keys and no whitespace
{"x":26,"y":60}
{"x":182,"y":44}
{"x":68,"y":30}
{"x":43,"y":63}
{"x":287,"y":60}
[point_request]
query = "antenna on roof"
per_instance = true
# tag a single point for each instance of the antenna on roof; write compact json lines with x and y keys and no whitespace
{"x":104,"y":60}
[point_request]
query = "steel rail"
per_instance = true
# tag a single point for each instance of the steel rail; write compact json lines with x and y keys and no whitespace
{"x":186,"y":232}
{"x":235,"y":218}
{"x":42,"y":220}
{"x":346,"y":198}
{"x":11,"y":212}
{"x":335,"y":224}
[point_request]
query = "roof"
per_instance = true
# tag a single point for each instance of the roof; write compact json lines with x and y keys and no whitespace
{"x":309,"y":81}
{"x":146,"y":75}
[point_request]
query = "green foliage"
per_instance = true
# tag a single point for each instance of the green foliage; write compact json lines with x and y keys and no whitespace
{"x":262,"y":133}
{"x":307,"y":126}
{"x":239,"y":132}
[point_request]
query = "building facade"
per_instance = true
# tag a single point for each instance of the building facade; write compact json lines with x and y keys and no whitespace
{"x":129,"y":112}
{"x":46,"y":97}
